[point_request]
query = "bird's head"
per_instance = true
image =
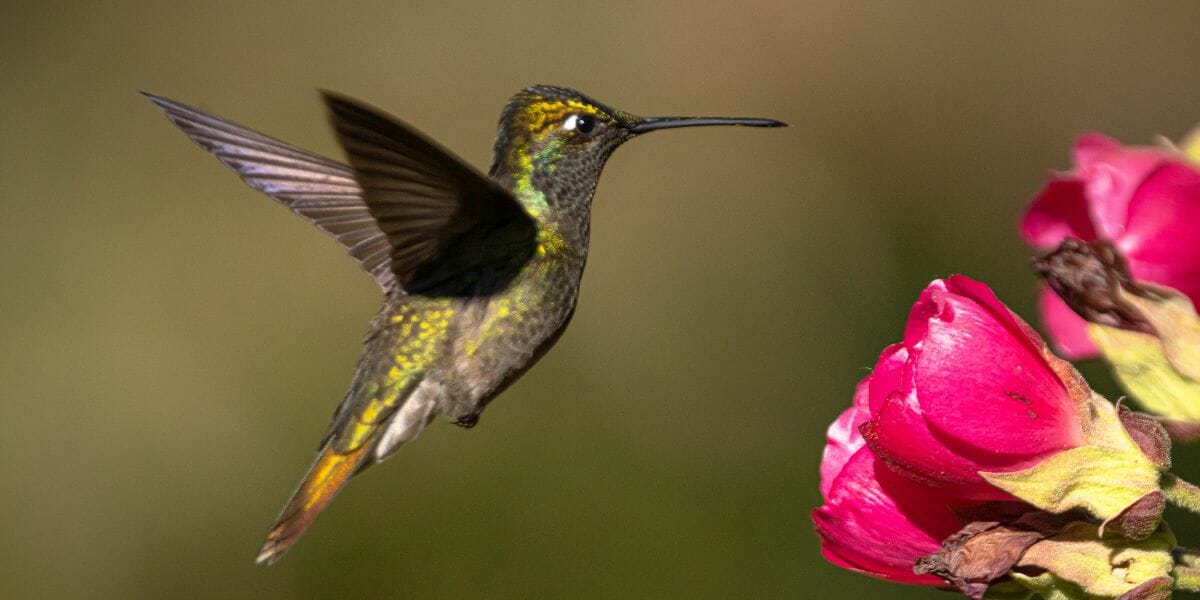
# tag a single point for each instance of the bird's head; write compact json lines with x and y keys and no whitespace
{"x":555,"y":140}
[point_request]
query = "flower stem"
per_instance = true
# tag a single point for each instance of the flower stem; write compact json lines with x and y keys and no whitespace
{"x":1187,"y":579}
{"x":1187,"y":557}
{"x":1181,"y":493}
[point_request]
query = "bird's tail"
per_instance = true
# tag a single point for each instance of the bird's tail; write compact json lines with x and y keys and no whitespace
{"x":328,"y":474}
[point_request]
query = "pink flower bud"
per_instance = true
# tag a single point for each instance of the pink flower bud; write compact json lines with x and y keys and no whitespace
{"x":1146,"y":201}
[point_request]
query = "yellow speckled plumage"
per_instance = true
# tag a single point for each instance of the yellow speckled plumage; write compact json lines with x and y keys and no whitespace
{"x":414,"y":337}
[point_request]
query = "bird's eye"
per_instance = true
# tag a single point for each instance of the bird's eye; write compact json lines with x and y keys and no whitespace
{"x":585,"y":124}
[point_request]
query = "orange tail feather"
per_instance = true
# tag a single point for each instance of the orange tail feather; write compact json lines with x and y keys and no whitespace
{"x":328,"y":474}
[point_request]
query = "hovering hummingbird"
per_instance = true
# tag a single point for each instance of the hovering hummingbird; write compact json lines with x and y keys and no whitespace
{"x":480,"y":274}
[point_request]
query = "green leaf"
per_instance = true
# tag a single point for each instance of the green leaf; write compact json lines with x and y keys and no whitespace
{"x":1102,"y":481}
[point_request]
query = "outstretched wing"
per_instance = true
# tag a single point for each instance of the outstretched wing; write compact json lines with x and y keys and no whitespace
{"x":321,"y":190}
{"x":412,"y":214}
{"x":453,"y":231}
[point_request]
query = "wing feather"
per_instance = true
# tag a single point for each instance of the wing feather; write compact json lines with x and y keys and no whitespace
{"x":412,"y":214}
{"x":453,"y":230}
{"x":322,"y":191}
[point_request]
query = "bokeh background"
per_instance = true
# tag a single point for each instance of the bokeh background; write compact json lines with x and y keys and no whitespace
{"x":172,"y":343}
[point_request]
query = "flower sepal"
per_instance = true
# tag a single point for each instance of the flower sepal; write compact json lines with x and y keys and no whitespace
{"x":1079,"y":563}
{"x":1160,"y":368}
{"x":1105,"y":477}
{"x":979,"y":556}
{"x":1055,"y":557}
{"x":1190,"y":146}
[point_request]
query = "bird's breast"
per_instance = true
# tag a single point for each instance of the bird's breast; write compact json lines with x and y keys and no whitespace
{"x":501,"y":335}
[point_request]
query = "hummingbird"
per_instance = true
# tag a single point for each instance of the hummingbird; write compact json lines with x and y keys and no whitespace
{"x":480,"y":273}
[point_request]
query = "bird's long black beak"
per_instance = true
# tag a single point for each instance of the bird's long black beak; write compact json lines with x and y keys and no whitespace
{"x":652,"y":123}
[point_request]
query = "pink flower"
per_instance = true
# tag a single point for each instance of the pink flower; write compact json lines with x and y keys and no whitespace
{"x":971,"y":388}
{"x":1146,"y":201}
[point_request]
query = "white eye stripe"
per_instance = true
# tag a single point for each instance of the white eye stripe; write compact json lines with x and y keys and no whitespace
{"x":570,"y":122}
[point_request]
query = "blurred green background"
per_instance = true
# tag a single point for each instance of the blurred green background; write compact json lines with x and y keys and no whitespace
{"x":172,"y":343}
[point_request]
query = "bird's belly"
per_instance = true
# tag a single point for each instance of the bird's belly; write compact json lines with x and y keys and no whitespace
{"x":505,"y":334}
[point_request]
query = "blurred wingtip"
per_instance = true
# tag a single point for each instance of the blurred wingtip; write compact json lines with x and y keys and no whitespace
{"x":334,"y":99}
{"x":156,"y":99}
{"x":173,"y":108}
{"x":342,"y":108}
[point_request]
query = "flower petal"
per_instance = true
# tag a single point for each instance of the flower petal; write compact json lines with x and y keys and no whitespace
{"x":887,"y":376}
{"x":843,"y":438}
{"x":1068,"y":331}
{"x":1162,"y":241}
{"x":982,"y":379}
{"x":880,"y":524}
{"x":1059,"y":211}
{"x":1112,"y":173}
{"x":1092,"y":148}
{"x":898,"y":434}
